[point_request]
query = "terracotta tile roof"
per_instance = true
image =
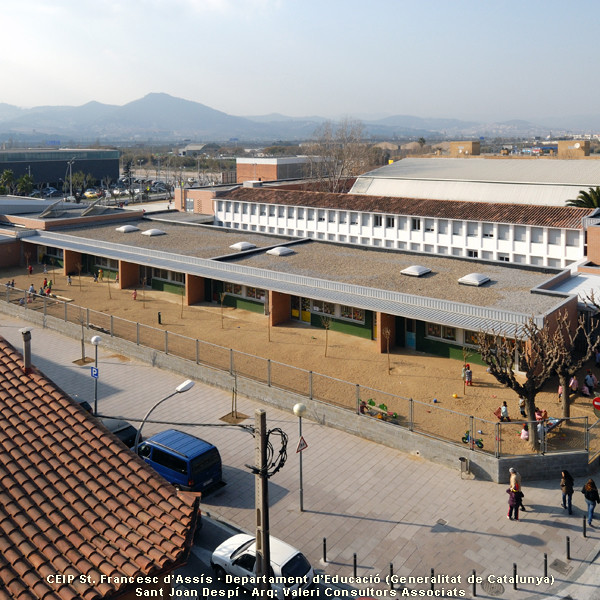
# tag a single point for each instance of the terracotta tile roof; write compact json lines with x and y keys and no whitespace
{"x":74,"y":500}
{"x":543,"y":216}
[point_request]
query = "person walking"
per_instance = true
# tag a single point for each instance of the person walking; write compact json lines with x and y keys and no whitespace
{"x":566,"y":486}
{"x":590,"y":493}
{"x":515,"y":485}
{"x":504,"y":412}
{"x":589,"y":380}
{"x":513,"y":504}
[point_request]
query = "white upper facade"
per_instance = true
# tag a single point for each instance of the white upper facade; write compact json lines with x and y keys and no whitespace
{"x":542,"y":246}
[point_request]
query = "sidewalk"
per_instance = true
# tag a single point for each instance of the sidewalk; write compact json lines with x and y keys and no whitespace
{"x":385,"y":506}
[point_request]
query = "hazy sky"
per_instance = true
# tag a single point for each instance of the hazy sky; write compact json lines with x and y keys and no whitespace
{"x":469,"y":59}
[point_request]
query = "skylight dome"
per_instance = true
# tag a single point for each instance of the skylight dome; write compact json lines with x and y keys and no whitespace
{"x":242,"y":246}
{"x":153,"y":232}
{"x":415,"y":271}
{"x":280,"y":251}
{"x":475,"y":279}
{"x":127,"y":228}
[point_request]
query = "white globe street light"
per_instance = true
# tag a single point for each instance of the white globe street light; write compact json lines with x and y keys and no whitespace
{"x":188,"y":384}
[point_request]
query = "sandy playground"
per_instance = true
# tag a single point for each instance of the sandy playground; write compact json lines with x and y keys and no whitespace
{"x":411,"y":374}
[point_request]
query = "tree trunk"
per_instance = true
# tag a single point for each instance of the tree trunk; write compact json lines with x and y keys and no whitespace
{"x":533,"y":432}
{"x":565,"y":397}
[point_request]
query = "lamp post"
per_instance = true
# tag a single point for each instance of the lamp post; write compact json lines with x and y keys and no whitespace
{"x":70,"y":163}
{"x":188,"y":384}
{"x":96,"y":342}
{"x":300,"y":410}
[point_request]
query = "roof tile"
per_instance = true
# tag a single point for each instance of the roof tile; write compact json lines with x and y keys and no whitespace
{"x":71,"y":500}
{"x":550,"y":216}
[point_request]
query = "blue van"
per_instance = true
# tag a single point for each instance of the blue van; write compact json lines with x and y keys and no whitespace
{"x":189,"y":463}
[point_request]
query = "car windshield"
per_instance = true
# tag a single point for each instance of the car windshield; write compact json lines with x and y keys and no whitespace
{"x":297,"y":566}
{"x":242,"y":548}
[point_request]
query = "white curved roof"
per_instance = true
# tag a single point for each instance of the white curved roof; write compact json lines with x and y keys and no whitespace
{"x":548,"y":182}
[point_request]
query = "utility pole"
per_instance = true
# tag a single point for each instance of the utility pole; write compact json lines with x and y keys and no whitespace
{"x":261,"y":501}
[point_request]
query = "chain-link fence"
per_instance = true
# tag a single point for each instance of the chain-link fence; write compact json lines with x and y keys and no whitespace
{"x":501,"y":439}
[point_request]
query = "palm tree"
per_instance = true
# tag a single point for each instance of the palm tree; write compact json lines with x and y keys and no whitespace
{"x":590,"y":199}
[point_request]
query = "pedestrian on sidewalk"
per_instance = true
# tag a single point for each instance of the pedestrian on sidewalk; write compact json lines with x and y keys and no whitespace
{"x":513,"y":505}
{"x":566,"y":486}
{"x":515,"y":485}
{"x":590,"y":493}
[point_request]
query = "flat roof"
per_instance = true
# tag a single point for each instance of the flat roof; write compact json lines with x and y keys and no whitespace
{"x":365,"y":278}
{"x":192,"y":239}
{"x":508,"y":289}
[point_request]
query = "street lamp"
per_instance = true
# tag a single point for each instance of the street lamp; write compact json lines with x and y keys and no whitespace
{"x":300,"y":410}
{"x":96,"y":342}
{"x":188,"y":384}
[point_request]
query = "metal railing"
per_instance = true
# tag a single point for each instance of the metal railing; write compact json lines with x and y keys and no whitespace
{"x":430,"y":419}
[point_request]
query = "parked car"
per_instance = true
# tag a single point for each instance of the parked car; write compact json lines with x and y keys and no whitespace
{"x":90,"y":194}
{"x":237,"y":556}
{"x":186,"y":461}
{"x":124,"y":430}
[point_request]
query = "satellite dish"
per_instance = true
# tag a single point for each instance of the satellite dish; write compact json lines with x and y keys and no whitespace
{"x":577,"y":145}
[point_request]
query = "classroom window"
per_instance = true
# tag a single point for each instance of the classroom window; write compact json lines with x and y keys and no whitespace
{"x":326,"y":308}
{"x":256,"y":293}
{"x":232,"y":288}
{"x":415,"y":224}
{"x":377,"y":221}
{"x":390,"y":222}
{"x":353,"y":314}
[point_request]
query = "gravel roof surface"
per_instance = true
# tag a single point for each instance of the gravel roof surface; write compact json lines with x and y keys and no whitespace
{"x":189,"y":240}
{"x":509,"y":287}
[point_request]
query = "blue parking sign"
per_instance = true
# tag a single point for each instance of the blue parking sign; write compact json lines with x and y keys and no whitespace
{"x":94,"y":372}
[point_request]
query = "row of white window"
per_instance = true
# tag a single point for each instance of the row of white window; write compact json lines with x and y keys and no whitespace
{"x":229,"y":210}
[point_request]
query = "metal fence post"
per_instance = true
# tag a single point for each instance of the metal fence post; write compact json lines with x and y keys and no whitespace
{"x":137,"y":334}
{"x":411,"y":422}
{"x":87,"y":318}
{"x":231,"y":361}
{"x":166,"y":341}
{"x":65,"y":312}
{"x":112,"y":331}
{"x":269,"y":372}
{"x":472,"y":432}
{"x":586,"y":438}
{"x":310,"y":385}
{"x":497,"y":428}
{"x":45,"y":306}
{"x":197,"y":351}
{"x":357,"y":399}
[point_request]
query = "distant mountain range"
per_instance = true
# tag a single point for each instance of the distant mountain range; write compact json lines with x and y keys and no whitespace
{"x":161,"y":117}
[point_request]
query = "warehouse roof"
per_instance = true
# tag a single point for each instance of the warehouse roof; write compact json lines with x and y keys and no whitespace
{"x":541,"y":181}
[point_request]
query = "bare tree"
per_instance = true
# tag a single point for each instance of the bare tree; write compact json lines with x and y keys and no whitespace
{"x":536,"y":349}
{"x":222,"y":297}
{"x":387,"y":334}
{"x":338,"y":152}
{"x":575,"y":346}
{"x":79,"y":266}
{"x":326,"y":323}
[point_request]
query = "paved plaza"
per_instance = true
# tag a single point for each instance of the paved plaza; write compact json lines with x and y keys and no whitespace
{"x":386,"y":507}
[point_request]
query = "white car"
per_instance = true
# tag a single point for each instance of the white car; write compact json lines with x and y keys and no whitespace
{"x":234,"y":562}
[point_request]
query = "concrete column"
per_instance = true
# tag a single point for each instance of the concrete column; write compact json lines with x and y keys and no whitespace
{"x":72,"y":262}
{"x":129,"y":275}
{"x":384,"y":320}
{"x":194,"y":289}
{"x":280,"y":307}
